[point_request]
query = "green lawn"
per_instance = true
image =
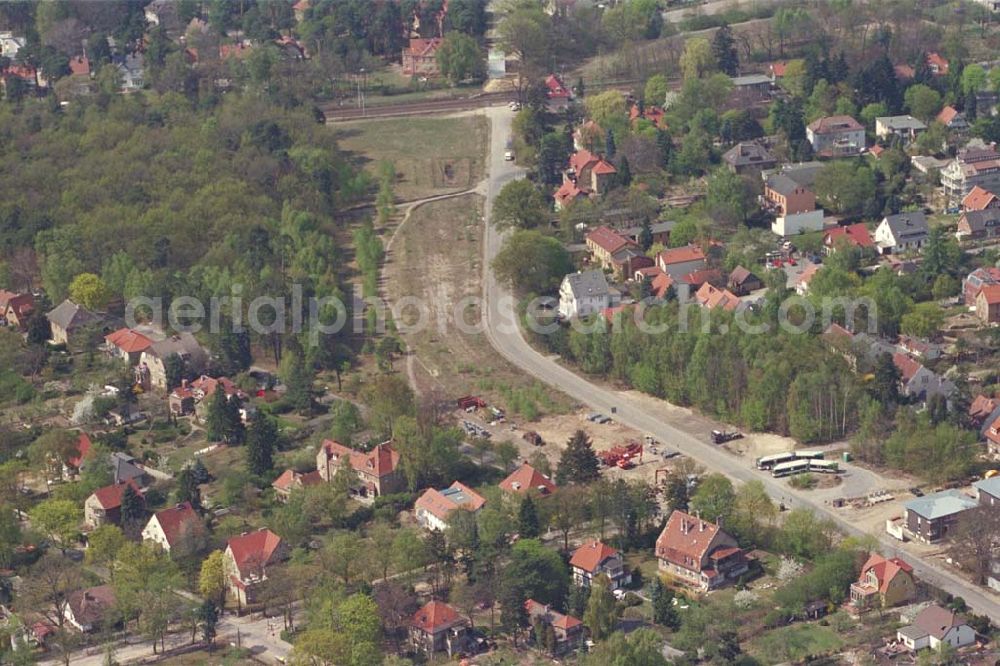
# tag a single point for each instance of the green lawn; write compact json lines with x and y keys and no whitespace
{"x":431,"y":155}
{"x":794,"y":643}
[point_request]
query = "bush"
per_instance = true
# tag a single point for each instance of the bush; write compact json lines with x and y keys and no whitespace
{"x":631,"y":599}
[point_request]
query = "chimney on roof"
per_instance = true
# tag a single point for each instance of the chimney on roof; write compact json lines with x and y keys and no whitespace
{"x":184,"y":383}
{"x":701,"y":527}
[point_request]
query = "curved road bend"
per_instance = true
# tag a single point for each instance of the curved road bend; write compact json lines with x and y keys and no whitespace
{"x":505,"y":336}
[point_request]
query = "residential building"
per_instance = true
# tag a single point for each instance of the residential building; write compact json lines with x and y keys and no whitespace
{"x":126,"y":468}
{"x":131,"y":69}
{"x":932,"y":518}
{"x":749,"y":90}
{"x":883,"y":583}
{"x":526,"y":479}
{"x":979,"y":224}
{"x":583,"y":294}
{"x":748,"y":157}
{"x":982,"y":406}
{"x":568,"y":630}
{"x":104,"y":504}
{"x":902,"y":232}
{"x":976,"y":280}
{"x":152,"y":361}
{"x":935,"y":626}
{"x":988,"y":491}
{"x":556,"y":92}
{"x":291,"y":480}
{"x":952,"y":119}
{"x":194,"y":397}
{"x":698,"y":553}
{"x":67,"y":320}
{"x":589,"y":172}
{"x":73,"y":464}
{"x":178,"y":530}
{"x":88,"y":610}
{"x":916,"y":381}
{"x":377,"y":470}
{"x":741,"y":281}
{"x":615,"y":252}
{"x":652,"y":113}
{"x":711,"y":297}
{"x":805,"y":278}
{"x":991,"y":432}
{"x":433,"y":508}
{"x":937,"y":63}
{"x":16,"y":309}
{"x":568,"y":193}
{"x":852,"y":235}
{"x":126,"y":344}
{"x":988,"y":304}
{"x":595,"y":558}
{"x":10,"y":44}
{"x":972,"y":166}
{"x":836,"y":136}
{"x":679,"y":261}
{"x":905,"y":127}
{"x":803,"y":173}
{"x":420,"y":57}
{"x":979,"y":198}
{"x":660,"y":231}
{"x":793,"y":204}
{"x":246,"y":561}
{"x":920,"y":348}
{"x":437,"y":627}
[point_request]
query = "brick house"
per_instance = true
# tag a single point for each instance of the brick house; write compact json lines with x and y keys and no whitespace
{"x":988,"y":304}
{"x":932,"y":517}
{"x":377,"y":470}
{"x":591,"y":173}
{"x":104,"y":504}
{"x":178,"y":530}
{"x":698,"y":553}
{"x":247,"y":559}
{"x":568,"y":630}
{"x":420,"y":57}
{"x":526,"y":479}
{"x":793,"y":205}
{"x":885,"y":582}
{"x":976,"y":280}
{"x":437,"y":627}
{"x":433,"y":508}
{"x":978,"y":224}
{"x":679,"y":261}
{"x":595,"y":558}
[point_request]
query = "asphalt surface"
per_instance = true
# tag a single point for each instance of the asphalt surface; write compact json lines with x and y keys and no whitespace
{"x":504,"y":334}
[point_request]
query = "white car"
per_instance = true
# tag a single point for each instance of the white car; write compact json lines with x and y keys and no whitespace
{"x":509,"y":155}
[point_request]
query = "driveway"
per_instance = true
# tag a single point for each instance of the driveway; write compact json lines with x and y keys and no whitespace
{"x":505,"y":335}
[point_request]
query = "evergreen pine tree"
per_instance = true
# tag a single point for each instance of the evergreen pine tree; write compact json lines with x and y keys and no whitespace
{"x":646,"y":235}
{"x":200,"y":472}
{"x":885,"y":385}
{"x":664,"y":613}
{"x":578,"y":463}
{"x":261,"y":439}
{"x":602,"y":612}
{"x":609,"y":144}
{"x":187,"y":489}
{"x":235,"y":431}
{"x":624,"y":172}
{"x":527,"y":519}
{"x":724,"y":50}
{"x":132,"y":510}
{"x":666,"y":147}
{"x":216,"y":416}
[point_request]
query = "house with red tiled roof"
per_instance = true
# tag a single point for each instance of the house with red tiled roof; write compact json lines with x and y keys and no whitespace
{"x":653,"y":114}
{"x":988,"y":304}
{"x":937,"y":63}
{"x":590,"y":173}
{"x":919,"y":382}
{"x":527,"y":479}
{"x":420,"y":57}
{"x":698,"y":553}
{"x":568,"y":630}
{"x":952,"y":119}
{"x":88,"y":610}
{"x":15,"y":309}
{"x":179,"y":530}
{"x":556,"y":92}
{"x":437,"y":627}
{"x":883,"y":582}
{"x":836,"y":136}
{"x":853,"y":235}
{"x":991,"y":432}
{"x":104,"y":504}
{"x":976,"y":280}
{"x":711,"y":297}
{"x":377,"y":471}
{"x":595,"y":558}
{"x":433,"y":508}
{"x":615,"y":252}
{"x":568,"y":193}
{"x":778,"y":70}
{"x":79,"y":66}
{"x":247,"y":559}
{"x":679,"y":261}
{"x":83,"y":446}
{"x":299,"y":9}
{"x":982,"y":406}
{"x":291,"y":480}
{"x":126,"y":344}
{"x":979,"y":198}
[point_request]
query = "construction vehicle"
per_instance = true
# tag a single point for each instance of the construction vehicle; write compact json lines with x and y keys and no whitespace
{"x":533,"y":438}
{"x":471,"y":403}
{"x":623,"y":455}
{"x":723,"y":436}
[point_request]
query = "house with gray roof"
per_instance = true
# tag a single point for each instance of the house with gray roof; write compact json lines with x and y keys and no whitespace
{"x":748,"y":157}
{"x":933,"y":517}
{"x":67,"y":319}
{"x":905,"y":127}
{"x":902,"y":232}
{"x":152,"y":362}
{"x":988,"y":492}
{"x":584,"y":293}
{"x":935,"y":626}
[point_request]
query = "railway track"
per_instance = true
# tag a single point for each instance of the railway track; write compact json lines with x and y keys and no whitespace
{"x":336,"y":113}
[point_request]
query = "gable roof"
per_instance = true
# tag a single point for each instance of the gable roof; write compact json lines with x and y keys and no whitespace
{"x":982,"y":406}
{"x":885,"y":570}
{"x":253,"y":549}
{"x":183,"y":344}
{"x":208,"y":385}
{"x":947,"y":115}
{"x":908,"y":367}
{"x":89,"y":606}
{"x":782,"y":184}
{"x":525,"y":478}
{"x":68,"y":315}
{"x":990,"y":293}
{"x":740,"y":275}
{"x":682,"y":255}
{"x":588,"y":283}
{"x":686,"y":538}
{"x":555,"y":618}
{"x":124,"y":467}
{"x":603,"y":167}
{"x":21,"y":304}
{"x":978,"y":198}
{"x":380,"y":461}
{"x":290,"y":479}
{"x":83,"y":445}
{"x":831,"y":124}
{"x":110,"y":497}
{"x":936,"y":621}
{"x":435,"y":616}
{"x":177,"y":522}
{"x":128,"y":341}
{"x":555,"y":87}
{"x":440,"y":503}
{"x":907,"y":225}
{"x":609,"y":240}
{"x":423,"y":47}
{"x":79,"y":66}
{"x":939,"y":505}
{"x":569,"y":191}
{"x":712,"y":297}
{"x":854,"y":234}
{"x":937,"y":62}
{"x":591,"y":555}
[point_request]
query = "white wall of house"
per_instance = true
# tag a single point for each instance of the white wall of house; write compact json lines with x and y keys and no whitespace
{"x":154,"y":534}
{"x":570,"y":306}
{"x":956,"y":637}
{"x":798,"y":223}
{"x":430,"y":521}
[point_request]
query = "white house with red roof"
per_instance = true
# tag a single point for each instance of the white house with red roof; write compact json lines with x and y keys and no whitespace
{"x":527,"y":479}
{"x":433,"y":508}
{"x":595,"y":558}
{"x":291,"y":480}
{"x":437,"y":627}
{"x":679,"y":261}
{"x":126,"y":344}
{"x":556,"y":92}
{"x":569,"y":631}
{"x":178,"y":530}
{"x":884,"y":582}
{"x":377,"y":470}
{"x":104,"y":504}
{"x":699,"y":553}
{"x":247,"y":559}
{"x":852,"y":235}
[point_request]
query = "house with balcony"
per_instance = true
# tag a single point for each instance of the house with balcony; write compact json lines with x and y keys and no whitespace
{"x":595,"y":558}
{"x":906,"y":128}
{"x":836,"y":136}
{"x":246,"y":561}
{"x":973,"y":166}
{"x":377,"y":471}
{"x":883,"y":583}
{"x":698,"y":553}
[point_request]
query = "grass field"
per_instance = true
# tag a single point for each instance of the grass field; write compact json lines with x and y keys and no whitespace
{"x":794,"y":643}
{"x":431,"y":155}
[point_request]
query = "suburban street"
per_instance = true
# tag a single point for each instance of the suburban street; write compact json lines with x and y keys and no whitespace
{"x":504,"y":334}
